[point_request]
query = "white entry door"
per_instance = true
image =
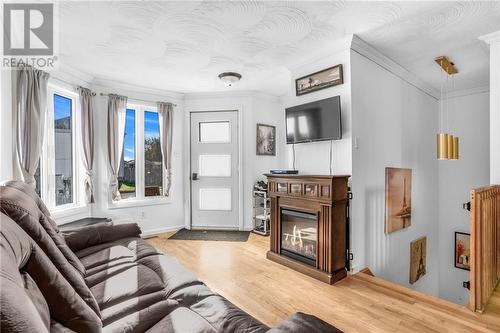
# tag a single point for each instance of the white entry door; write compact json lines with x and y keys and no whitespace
{"x":214,"y":170}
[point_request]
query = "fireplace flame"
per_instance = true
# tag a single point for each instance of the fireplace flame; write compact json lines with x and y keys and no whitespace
{"x":297,"y":236}
{"x":295,"y":241}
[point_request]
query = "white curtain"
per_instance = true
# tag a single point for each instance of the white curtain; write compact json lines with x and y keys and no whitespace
{"x":87,"y":123}
{"x":31,"y":111}
{"x":165,"y":115}
{"x":117,"y":108}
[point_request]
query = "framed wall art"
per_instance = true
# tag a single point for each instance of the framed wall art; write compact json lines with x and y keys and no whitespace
{"x":266,"y":140}
{"x":462,"y":250}
{"x":418,"y":259}
{"x":397,"y":199}
{"x":325,"y":78}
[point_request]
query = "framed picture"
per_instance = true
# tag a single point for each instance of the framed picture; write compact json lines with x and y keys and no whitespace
{"x":266,"y":140}
{"x":418,"y":259}
{"x":397,"y":199}
{"x":462,"y":250}
{"x":325,"y":78}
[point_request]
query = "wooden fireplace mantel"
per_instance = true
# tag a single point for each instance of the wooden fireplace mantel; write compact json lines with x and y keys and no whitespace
{"x":327,"y":198}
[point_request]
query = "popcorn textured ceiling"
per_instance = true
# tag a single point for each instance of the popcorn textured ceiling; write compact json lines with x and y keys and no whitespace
{"x":183,"y":46}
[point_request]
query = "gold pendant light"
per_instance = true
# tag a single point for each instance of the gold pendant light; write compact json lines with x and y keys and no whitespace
{"x":447,"y":144}
{"x":442,"y":146}
{"x":454,"y":156}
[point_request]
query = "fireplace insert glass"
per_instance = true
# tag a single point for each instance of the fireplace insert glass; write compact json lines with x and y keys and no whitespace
{"x":299,"y":235}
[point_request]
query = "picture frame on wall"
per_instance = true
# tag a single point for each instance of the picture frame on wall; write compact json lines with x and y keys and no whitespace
{"x":266,"y":140}
{"x":398,"y":185}
{"x":322,"y":79}
{"x":462,"y":250}
{"x":418,"y":259}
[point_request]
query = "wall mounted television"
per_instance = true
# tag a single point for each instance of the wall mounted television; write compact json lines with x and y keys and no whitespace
{"x":316,"y":121}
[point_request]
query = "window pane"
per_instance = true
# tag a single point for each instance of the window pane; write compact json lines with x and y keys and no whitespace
{"x":126,"y":173}
{"x":218,"y":131}
{"x":215,"y":165}
{"x":63,"y":146}
{"x":153,"y":185}
{"x":215,"y":199}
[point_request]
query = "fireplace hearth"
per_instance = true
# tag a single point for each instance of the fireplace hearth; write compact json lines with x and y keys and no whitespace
{"x":309,"y":224}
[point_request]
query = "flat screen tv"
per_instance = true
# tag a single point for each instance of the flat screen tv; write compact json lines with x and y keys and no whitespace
{"x":315,"y":121}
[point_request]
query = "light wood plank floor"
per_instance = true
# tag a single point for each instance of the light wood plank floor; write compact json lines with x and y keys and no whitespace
{"x":360,"y":303}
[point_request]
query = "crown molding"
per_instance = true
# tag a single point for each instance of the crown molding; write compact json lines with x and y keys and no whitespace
{"x":231,"y":94}
{"x":360,"y":46}
{"x":341,"y":45}
{"x":111,"y":86}
{"x":70,"y":76}
{"x":468,"y":92}
{"x":491,"y":38}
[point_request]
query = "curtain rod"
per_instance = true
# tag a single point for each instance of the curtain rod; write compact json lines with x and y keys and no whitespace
{"x":69,"y":83}
{"x":137,"y":99}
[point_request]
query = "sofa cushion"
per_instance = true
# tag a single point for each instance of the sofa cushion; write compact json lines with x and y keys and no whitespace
{"x":142,"y":320}
{"x":226,"y":317}
{"x":26,"y":212}
{"x":130,"y":283}
{"x":31,"y":285}
{"x":99,"y":233}
{"x":103,"y":256}
{"x":182,"y":320}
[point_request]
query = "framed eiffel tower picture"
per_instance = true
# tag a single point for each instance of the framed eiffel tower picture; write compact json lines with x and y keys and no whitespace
{"x":397,"y":199}
{"x":418,"y":255}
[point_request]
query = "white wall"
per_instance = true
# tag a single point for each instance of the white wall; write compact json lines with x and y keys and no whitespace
{"x":395,"y":125}
{"x":469,"y":120}
{"x":255,"y":108}
{"x":151,"y":218}
{"x":314,"y":157}
{"x":6,"y":125}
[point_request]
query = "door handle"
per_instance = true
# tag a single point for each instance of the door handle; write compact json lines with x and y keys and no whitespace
{"x":194,"y":176}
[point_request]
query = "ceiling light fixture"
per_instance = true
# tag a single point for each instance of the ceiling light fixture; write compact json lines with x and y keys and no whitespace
{"x":229,"y":78}
{"x":447,"y":144}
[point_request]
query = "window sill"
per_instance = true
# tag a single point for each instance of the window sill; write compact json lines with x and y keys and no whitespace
{"x":71,"y":210}
{"x":127,"y":203}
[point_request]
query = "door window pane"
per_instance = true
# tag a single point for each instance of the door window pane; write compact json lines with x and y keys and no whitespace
{"x":63,"y":145}
{"x":153,"y":177}
{"x":215,"y":165}
{"x":217,"y":132}
{"x":215,"y":199}
{"x":126,"y":173}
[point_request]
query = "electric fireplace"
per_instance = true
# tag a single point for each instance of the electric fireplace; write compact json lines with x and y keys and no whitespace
{"x":299,"y":235}
{"x":309,"y":228}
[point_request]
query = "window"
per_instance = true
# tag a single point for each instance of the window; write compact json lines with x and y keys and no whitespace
{"x":141,"y":173}
{"x":63,"y":149}
{"x":57,"y":173}
{"x":153,"y":176}
{"x":126,"y":173}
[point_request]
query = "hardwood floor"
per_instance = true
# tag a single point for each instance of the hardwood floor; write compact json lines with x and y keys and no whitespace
{"x":493,"y":306}
{"x":360,"y":303}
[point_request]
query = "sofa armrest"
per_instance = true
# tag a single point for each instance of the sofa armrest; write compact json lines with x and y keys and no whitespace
{"x":304,"y":323}
{"x":95,"y":234}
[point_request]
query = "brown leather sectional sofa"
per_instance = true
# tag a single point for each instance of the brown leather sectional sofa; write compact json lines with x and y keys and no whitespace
{"x":104,"y":278}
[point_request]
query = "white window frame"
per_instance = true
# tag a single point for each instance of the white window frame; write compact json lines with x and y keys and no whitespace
{"x":47,"y":158}
{"x":140,"y":199}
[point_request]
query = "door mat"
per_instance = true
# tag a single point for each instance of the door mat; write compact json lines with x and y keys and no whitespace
{"x":212,"y":235}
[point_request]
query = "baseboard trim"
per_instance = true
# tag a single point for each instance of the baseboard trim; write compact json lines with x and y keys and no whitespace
{"x":155,"y":232}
